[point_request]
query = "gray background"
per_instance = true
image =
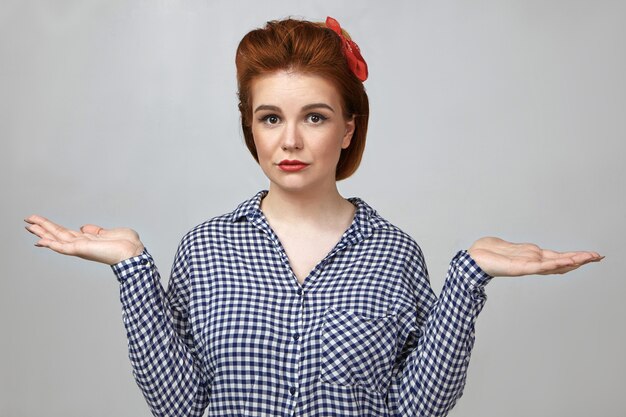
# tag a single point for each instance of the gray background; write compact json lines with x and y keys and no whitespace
{"x":498,"y":118}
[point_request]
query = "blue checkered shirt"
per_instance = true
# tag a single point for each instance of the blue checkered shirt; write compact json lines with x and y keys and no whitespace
{"x":237,"y":335}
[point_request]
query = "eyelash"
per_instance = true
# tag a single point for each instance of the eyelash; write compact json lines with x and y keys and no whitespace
{"x":265,"y":119}
{"x":321,"y":117}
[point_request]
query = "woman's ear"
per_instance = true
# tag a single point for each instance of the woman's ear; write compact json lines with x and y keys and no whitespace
{"x":347,"y":137}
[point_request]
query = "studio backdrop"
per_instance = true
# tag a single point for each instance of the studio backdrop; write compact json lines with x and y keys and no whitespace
{"x":502,"y":118}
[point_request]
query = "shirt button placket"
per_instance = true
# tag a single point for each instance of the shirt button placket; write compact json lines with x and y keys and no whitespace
{"x":296,"y":345}
{"x":296,"y":333}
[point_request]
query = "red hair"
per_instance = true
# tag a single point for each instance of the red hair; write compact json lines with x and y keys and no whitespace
{"x":308,"y":48}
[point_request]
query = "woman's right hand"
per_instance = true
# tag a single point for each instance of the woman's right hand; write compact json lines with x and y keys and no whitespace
{"x":92,"y":242}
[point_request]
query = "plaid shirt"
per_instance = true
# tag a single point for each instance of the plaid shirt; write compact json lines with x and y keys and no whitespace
{"x":237,"y":334}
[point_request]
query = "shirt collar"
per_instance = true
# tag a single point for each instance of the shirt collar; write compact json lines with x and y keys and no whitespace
{"x":366,"y":219}
{"x":250,"y":209}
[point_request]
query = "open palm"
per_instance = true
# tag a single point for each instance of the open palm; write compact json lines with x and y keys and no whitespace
{"x":91,"y":242}
{"x":498,"y":257}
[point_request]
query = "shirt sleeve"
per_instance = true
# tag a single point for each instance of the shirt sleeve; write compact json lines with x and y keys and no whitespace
{"x":433,"y":375}
{"x":165,"y":364}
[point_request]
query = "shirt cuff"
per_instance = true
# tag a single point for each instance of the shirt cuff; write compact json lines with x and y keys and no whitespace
{"x":132,"y":266}
{"x":470,"y":273}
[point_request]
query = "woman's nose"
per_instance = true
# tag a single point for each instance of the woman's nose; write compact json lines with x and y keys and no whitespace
{"x":292,"y":138}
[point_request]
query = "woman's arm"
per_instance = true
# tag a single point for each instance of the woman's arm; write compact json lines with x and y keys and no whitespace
{"x":165,"y":362}
{"x":434,"y":373}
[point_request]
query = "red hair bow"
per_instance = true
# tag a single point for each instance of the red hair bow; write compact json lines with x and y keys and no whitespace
{"x":351,"y":50}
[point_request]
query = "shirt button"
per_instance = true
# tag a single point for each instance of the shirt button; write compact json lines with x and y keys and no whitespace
{"x":145,"y":262}
{"x":296,"y":336}
{"x":300,"y":291}
{"x":292,"y":390}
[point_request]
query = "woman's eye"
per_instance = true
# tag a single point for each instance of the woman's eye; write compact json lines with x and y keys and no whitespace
{"x":315,"y":118}
{"x":271,"y":119}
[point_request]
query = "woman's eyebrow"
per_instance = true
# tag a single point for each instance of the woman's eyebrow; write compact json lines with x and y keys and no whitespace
{"x":267,"y":107}
{"x":317,"y":106}
{"x":311,"y":106}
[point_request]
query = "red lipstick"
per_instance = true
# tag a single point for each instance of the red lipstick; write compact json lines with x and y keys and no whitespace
{"x":292,"y":165}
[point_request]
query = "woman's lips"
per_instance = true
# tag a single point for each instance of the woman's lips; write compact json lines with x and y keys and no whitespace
{"x":289,"y":165}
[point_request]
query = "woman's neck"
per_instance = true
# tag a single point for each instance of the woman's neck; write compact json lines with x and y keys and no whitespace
{"x":322,"y":208}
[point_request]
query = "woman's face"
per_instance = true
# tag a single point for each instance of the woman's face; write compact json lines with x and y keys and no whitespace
{"x":299,"y":130}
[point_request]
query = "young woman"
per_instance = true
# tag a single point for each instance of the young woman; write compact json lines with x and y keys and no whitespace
{"x":300,"y":302}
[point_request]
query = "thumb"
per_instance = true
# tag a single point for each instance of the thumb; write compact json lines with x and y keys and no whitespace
{"x":92,"y":229}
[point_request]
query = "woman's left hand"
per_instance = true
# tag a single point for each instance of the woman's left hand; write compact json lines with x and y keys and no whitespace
{"x":498,"y":257}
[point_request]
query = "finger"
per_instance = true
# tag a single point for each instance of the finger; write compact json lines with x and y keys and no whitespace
{"x":116,"y":233}
{"x":39,"y":231}
{"x":42,"y":243}
{"x":584,"y":257}
{"x":559,"y":262}
{"x":119,"y":233}
{"x":562,"y":266}
{"x":588,"y":261}
{"x":93,"y":229}
{"x":547,"y":266}
{"x":566,"y":269}
{"x":59,"y":247}
{"x":42,"y":221}
{"x":54,"y":229}
{"x":550,"y":254}
{"x":34,"y":218}
{"x":560,"y":271}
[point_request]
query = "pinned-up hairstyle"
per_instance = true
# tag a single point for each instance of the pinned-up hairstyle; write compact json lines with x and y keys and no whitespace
{"x":309,"y":48}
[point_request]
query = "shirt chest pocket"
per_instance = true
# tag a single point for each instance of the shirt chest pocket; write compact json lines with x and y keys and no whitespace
{"x":358,"y":351}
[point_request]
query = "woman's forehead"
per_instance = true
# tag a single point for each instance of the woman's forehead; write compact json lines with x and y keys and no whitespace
{"x":292,"y":87}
